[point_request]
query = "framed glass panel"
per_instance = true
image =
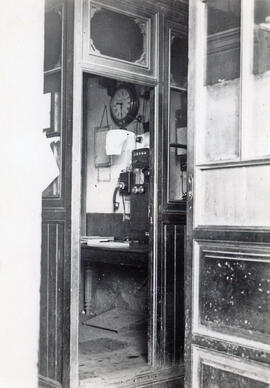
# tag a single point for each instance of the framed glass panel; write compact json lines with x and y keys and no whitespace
{"x":52,"y":85}
{"x":177,"y":146}
{"x":235,"y":293}
{"x":261,"y":42}
{"x":256,"y":139}
{"x":53,"y":40}
{"x":179,"y":61}
{"x":223,"y":41}
{"x":218,"y":138}
{"x":119,"y":35}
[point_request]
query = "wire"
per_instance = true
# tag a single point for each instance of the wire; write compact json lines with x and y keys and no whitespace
{"x":115,"y":203}
{"x":124,"y":207}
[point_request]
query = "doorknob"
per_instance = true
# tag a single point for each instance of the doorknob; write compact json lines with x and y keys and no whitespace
{"x":190,"y":191}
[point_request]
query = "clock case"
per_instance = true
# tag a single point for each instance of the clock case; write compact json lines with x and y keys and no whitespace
{"x":134,"y":105}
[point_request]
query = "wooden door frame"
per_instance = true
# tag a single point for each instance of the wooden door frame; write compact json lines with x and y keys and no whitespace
{"x":76,"y":227}
{"x":159,"y":369}
{"x":79,"y":70}
{"x":190,"y":173}
{"x":73,"y":71}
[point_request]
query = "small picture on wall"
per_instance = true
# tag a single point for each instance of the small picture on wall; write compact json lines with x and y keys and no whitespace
{"x":101,"y":158}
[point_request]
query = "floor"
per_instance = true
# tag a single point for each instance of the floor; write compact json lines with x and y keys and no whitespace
{"x":106,"y":356}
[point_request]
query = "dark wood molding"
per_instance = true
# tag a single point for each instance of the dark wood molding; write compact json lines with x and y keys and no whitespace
{"x":172,"y":294}
{"x":51,"y":322}
{"x":166,"y":377}
{"x":233,"y":350}
{"x":232,"y":234}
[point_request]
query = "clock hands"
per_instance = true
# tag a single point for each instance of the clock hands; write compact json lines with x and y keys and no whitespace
{"x":124,"y":105}
{"x":121,"y":107}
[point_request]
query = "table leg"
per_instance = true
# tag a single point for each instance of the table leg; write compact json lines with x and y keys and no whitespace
{"x":88,"y":289}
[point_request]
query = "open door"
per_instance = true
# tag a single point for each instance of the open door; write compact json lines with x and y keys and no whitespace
{"x":228,"y":250}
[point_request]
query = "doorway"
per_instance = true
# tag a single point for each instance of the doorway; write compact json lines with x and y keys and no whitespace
{"x":79,"y":287}
{"x":115,"y":286}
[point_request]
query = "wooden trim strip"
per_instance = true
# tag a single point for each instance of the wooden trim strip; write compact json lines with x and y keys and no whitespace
{"x":249,"y":369}
{"x":234,"y":164}
{"x":174,"y":290}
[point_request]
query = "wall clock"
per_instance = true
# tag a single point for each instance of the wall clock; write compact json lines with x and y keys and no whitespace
{"x":124,"y":105}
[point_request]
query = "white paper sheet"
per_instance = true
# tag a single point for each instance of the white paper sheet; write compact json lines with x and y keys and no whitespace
{"x":116,"y":139}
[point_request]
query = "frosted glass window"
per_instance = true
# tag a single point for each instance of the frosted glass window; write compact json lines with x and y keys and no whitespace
{"x":179,"y":61}
{"x":120,"y":36}
{"x":53,"y":40}
{"x":52,"y":85}
{"x":218,"y":137}
{"x":257,"y":129}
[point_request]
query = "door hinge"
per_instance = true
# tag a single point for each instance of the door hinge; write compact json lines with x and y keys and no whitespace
{"x":190,"y":191}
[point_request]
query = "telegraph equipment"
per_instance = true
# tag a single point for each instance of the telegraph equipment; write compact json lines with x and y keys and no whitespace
{"x":139,"y":200}
{"x":135,"y":183}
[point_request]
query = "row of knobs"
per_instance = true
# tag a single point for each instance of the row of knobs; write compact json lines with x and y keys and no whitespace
{"x":137,"y":189}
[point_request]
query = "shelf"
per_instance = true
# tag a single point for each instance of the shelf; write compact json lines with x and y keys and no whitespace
{"x":178,"y":88}
{"x":52,"y":71}
{"x":53,"y":134}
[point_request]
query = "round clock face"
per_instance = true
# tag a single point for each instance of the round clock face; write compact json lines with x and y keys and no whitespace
{"x":124,"y":105}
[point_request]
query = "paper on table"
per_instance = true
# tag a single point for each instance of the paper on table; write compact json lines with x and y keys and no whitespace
{"x":105,"y":243}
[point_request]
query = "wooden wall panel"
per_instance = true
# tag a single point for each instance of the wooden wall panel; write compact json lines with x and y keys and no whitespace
{"x":173,"y":293}
{"x":219,"y":136}
{"x":233,"y":196}
{"x":106,"y":224}
{"x":51,"y":318}
{"x":43,"y":345}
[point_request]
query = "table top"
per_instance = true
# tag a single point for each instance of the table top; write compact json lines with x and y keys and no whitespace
{"x":115,"y":253}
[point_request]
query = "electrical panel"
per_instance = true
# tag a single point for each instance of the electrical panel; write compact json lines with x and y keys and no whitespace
{"x":139,"y":201}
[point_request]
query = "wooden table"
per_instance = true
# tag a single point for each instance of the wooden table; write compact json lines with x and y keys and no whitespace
{"x":135,"y":256}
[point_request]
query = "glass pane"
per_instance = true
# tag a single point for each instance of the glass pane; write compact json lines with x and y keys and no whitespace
{"x":223,"y":46}
{"x":218,"y":378}
{"x":219,"y":138}
{"x":235,"y":294}
{"x":257,"y":138}
{"x":119,"y":36}
{"x":177,"y":146}
{"x":179,"y":61}
{"x":52,"y":85}
{"x":261,"y":55}
{"x":53,"y":40}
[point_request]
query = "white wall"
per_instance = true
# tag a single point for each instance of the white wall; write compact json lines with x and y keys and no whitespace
{"x":99,"y":194}
{"x":21,"y":47}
